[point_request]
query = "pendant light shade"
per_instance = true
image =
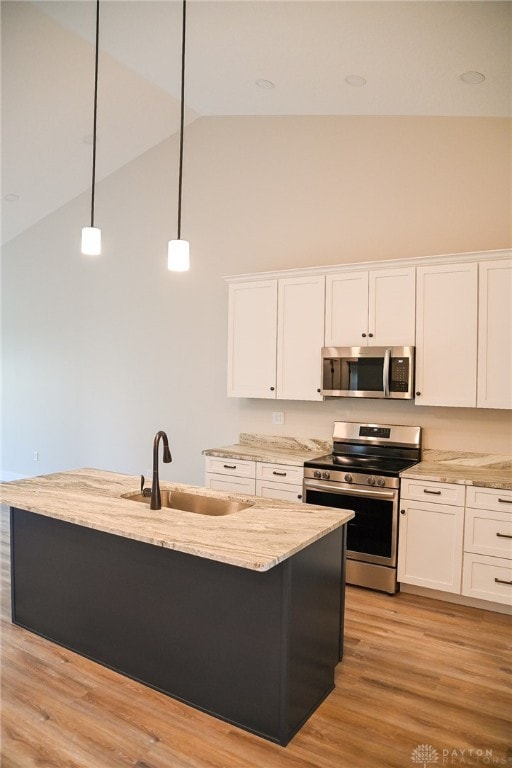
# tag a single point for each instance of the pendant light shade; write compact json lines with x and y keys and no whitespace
{"x":178,"y":259}
{"x":91,"y":236}
{"x":91,"y":241}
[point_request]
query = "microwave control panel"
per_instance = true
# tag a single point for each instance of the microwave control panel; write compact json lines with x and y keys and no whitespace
{"x":399,"y":374}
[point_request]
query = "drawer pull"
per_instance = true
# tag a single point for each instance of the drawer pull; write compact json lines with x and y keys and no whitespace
{"x":435,"y":493}
{"x":504,"y":535}
{"x":505,"y":501}
{"x":229,"y":466}
{"x":501,"y":581}
{"x":280,"y":474}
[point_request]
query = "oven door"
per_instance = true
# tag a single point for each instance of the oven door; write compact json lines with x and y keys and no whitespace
{"x":372,"y":533}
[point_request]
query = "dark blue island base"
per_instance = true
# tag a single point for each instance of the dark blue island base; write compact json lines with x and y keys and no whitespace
{"x":257,"y":649}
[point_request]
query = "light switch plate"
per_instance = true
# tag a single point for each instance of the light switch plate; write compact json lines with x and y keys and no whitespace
{"x":277,"y":417}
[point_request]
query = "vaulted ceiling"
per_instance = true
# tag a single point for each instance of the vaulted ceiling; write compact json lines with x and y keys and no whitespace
{"x":402,"y":58}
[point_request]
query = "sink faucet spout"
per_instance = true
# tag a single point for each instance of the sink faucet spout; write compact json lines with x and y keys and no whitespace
{"x":156,"y":501}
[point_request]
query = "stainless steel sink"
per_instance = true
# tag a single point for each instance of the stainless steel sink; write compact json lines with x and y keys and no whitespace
{"x":192,"y":502}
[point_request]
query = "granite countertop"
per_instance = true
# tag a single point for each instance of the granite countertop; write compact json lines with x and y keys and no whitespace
{"x":257,"y":538}
{"x":481,"y":469}
{"x":272,"y":449}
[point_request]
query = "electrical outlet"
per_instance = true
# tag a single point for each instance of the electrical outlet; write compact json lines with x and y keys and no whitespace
{"x":277,"y":417}
{"x":36,"y":455}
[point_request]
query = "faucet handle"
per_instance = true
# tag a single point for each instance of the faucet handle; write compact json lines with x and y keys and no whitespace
{"x":142,"y":481}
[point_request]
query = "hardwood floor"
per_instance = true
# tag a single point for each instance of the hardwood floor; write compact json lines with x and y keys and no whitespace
{"x":416,"y":672}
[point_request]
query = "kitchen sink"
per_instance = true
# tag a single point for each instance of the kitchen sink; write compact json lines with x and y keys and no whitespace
{"x":192,"y":502}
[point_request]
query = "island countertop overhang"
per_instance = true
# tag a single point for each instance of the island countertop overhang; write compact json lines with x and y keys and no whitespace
{"x":258,"y":538}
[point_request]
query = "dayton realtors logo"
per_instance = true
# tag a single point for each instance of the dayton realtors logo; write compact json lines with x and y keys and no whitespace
{"x":426,"y":754}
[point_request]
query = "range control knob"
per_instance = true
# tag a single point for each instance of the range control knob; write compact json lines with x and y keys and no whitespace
{"x":325,"y":476}
{"x":371,"y":480}
{"x":381,"y":482}
{"x":348,"y":478}
{"x":317,"y":474}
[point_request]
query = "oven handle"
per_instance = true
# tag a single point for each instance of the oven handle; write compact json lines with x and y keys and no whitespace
{"x":385,"y":372}
{"x":369,"y":493}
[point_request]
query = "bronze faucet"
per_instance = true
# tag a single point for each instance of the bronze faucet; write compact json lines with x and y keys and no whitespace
{"x":156,"y":501}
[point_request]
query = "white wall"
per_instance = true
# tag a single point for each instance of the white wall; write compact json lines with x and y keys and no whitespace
{"x":98,"y":354}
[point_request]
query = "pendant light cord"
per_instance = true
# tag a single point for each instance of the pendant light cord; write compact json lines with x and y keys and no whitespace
{"x":182,"y":117}
{"x":95,"y":111}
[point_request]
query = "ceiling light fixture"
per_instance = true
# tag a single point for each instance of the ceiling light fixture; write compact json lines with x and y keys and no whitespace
{"x":12,"y":197}
{"x":267,"y":84}
{"x":178,"y":257}
{"x":355,"y":80}
{"x":91,"y":236}
{"x":472,"y":78}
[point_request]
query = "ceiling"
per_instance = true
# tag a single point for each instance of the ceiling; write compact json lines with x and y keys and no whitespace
{"x":410,"y":54}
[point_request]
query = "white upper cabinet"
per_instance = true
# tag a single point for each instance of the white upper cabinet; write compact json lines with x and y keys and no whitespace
{"x":495,"y":335}
{"x":275,"y":335}
{"x":374,"y":308}
{"x":300,"y":333}
{"x":446,"y":334}
{"x":346,"y":309}
{"x":392,"y":307}
{"x":252,"y":331}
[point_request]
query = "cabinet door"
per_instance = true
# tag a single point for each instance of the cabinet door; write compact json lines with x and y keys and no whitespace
{"x":301,"y":305}
{"x":270,"y":490}
{"x":392,"y":305}
{"x":495,"y":335}
{"x":252,"y":329}
{"x":430,"y":545}
{"x":446,"y":335}
{"x":346,"y":316}
{"x":229,"y":484}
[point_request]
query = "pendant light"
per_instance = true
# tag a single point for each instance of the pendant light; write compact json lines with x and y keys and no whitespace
{"x":91,"y":236}
{"x":178,"y":250}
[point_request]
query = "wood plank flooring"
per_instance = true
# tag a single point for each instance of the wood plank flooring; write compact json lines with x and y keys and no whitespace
{"x":416,"y":672}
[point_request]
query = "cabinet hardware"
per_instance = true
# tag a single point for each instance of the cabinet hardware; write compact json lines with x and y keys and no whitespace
{"x":501,"y":581}
{"x":280,"y":474}
{"x":363,"y":335}
{"x":434,"y":493}
{"x":370,"y":335}
{"x":272,"y":389}
{"x":299,"y":495}
{"x":504,"y":535}
{"x":505,"y":501}
{"x":418,"y":394}
{"x":402,"y":511}
{"x":319,"y":390}
{"x":229,"y":466}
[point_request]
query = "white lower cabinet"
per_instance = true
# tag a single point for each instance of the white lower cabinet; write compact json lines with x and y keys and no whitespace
{"x":430,"y":543}
{"x":279,"y":481}
{"x":487,"y":569}
{"x":235,"y":476}
{"x":266,"y":479}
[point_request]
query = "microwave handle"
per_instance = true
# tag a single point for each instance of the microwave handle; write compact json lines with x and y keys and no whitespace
{"x":385,"y":372}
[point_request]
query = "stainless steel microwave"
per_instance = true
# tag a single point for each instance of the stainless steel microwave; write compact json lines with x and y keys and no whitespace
{"x":376,"y":372}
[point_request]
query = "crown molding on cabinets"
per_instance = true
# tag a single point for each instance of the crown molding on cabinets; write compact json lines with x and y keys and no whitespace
{"x":451,"y":258}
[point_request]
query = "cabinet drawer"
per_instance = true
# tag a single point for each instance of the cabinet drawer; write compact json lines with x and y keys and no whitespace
{"x":246,"y":485}
{"x":489,"y":578}
{"x":269,"y":489}
{"x":237,"y":467}
{"x":435,"y":493}
{"x":281,"y":473}
{"x":489,"y":498}
{"x":488,"y":533}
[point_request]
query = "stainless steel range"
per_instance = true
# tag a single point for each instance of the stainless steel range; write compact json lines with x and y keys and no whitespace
{"x":362,"y":474}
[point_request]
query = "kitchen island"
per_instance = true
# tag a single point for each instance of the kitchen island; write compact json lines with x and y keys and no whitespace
{"x":240,"y":616}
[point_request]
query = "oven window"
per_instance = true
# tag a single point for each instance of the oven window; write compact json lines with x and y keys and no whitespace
{"x":370,"y":532}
